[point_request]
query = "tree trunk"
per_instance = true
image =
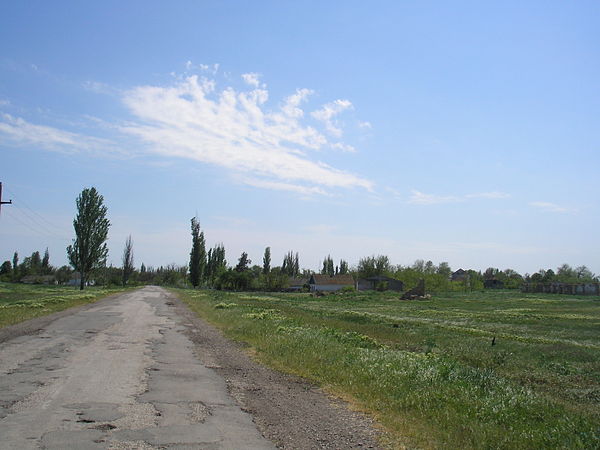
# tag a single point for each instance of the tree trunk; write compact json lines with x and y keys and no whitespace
{"x":82,"y":282}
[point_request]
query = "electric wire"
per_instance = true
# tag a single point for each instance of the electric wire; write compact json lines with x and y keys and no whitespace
{"x":33,"y":212}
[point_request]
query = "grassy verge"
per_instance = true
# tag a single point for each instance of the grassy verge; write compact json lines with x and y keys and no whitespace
{"x":427,"y":370}
{"x":19,"y":302}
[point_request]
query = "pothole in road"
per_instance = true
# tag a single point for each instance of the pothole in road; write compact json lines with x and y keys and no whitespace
{"x":104,"y":427}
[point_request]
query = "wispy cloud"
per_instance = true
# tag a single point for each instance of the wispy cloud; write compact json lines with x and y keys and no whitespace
{"x":550,"y":207}
{"x":327,"y":114}
{"x":18,"y":131}
{"x":252,"y":79}
{"x":489,"y":195}
{"x":420,"y":198}
{"x":281,"y":186}
{"x":365,"y":125}
{"x":236,"y":131}
{"x":99,"y":87}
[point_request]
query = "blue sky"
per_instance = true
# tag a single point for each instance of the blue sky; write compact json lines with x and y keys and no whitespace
{"x":466,"y":132}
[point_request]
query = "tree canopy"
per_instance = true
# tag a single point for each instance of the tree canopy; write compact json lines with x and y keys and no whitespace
{"x":89,"y":249}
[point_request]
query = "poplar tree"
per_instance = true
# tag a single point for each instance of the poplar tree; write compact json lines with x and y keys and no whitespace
{"x":89,"y":249}
{"x":127,"y":260}
{"x":46,"y":262}
{"x":15,"y":265}
{"x":197,"y":255}
{"x":267,"y":261}
{"x":343,"y":267}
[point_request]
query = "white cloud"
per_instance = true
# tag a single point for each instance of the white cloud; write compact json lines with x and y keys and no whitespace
{"x":234,"y":130}
{"x":280,"y":186}
{"x":420,"y":198}
{"x":365,"y":125}
{"x":343,"y":147}
{"x":252,"y":79}
{"x":212,"y":68}
{"x":328,"y":112}
{"x":21,"y":132}
{"x":549,"y":207}
{"x":98,"y":87}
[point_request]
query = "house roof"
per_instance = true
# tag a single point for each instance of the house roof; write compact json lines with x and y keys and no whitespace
{"x":297,"y":281}
{"x":380,"y":278}
{"x":338,"y":279}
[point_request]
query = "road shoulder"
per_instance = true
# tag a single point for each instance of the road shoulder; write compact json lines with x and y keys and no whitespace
{"x":288,"y":410}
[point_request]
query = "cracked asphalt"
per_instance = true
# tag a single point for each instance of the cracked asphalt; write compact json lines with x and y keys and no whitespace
{"x":120,"y":374}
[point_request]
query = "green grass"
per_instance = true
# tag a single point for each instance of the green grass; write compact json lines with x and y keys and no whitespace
{"x":427,"y":370}
{"x":20,"y":302}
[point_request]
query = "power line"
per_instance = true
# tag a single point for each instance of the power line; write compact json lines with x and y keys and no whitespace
{"x":20,"y":201}
{"x":34,"y":226}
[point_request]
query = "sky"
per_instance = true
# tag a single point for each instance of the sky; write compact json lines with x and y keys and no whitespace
{"x":466,"y":132}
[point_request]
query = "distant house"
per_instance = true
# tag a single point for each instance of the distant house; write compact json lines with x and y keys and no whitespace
{"x":330,"y":284}
{"x":493,"y":284}
{"x":296,"y":284}
{"x":380,"y":282}
{"x":75,"y":280}
{"x":460,"y":275}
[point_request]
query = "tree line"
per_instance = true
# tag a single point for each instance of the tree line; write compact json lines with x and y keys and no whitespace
{"x":88,"y":253}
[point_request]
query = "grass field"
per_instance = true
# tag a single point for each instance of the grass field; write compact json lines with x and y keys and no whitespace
{"x":19,"y":302}
{"x":427,"y":369}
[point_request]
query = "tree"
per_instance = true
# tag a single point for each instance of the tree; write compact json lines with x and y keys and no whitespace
{"x":328,"y":266}
{"x":6,"y":268}
{"x":197,"y":255}
{"x":89,"y":250}
{"x":291,"y":264}
{"x":444,"y":269}
{"x":343,"y":267}
{"x":267,"y":261}
{"x":373,"y":265}
{"x":584,"y":274}
{"x":243,"y":263}
{"x":15,"y":265}
{"x":36,"y":263}
{"x":216,"y":263}
{"x":127,"y":260}
{"x":46,"y":269}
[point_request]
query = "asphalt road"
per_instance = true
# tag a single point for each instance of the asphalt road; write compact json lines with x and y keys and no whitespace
{"x":119,"y":374}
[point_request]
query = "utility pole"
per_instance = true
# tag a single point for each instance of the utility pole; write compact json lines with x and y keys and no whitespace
{"x":1,"y":202}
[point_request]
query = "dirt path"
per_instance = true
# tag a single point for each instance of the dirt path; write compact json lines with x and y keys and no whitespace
{"x":139,"y":370}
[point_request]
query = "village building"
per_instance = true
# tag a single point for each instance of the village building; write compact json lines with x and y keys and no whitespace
{"x":380,"y":282}
{"x":460,"y":275}
{"x":296,"y":284}
{"x":326,"y":283}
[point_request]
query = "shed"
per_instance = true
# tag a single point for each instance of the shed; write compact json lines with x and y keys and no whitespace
{"x":326,"y":283}
{"x":373,"y":283}
{"x":295,"y":284}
